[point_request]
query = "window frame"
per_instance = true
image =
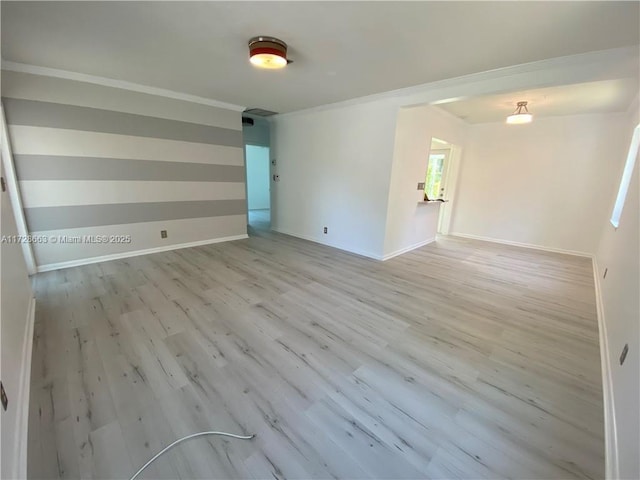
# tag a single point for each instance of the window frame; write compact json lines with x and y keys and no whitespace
{"x":625,"y":181}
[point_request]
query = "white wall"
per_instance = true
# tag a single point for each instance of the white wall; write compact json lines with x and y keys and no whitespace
{"x":545,"y":184}
{"x":335,"y":161}
{"x":410,"y":224}
{"x":334,"y":168}
{"x":257,"y":160}
{"x":618,"y":252}
{"x":16,"y":330}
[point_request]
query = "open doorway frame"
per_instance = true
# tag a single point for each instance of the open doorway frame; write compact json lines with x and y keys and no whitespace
{"x":258,"y":185}
{"x":450,"y":183}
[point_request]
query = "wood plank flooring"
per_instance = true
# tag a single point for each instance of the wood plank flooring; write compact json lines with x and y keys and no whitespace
{"x":461,"y":359}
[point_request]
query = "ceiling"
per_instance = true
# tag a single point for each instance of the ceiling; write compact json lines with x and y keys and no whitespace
{"x":594,"y":97}
{"x":437,"y":144}
{"x":341,"y":50}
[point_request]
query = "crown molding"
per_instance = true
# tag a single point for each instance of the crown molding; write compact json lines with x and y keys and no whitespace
{"x":583,"y":67}
{"x":565,"y":70}
{"x":109,"y":82}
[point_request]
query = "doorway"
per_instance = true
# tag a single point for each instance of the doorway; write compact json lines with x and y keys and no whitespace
{"x":436,"y":174}
{"x":258,"y":186}
{"x":440,"y":179}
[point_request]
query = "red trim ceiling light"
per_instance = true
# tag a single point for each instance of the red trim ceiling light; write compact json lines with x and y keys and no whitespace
{"x":268,"y":52}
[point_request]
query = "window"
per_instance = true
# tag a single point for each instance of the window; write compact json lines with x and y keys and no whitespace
{"x":626,"y":177}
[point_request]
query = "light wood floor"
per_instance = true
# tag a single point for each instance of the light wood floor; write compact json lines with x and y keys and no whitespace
{"x":260,"y":219}
{"x":461,"y":359}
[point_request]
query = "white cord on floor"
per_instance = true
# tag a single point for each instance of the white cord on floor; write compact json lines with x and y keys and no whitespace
{"x":180,"y":440}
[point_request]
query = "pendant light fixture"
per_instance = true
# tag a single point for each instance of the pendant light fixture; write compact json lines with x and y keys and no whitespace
{"x":521,"y":115}
{"x":268,"y":52}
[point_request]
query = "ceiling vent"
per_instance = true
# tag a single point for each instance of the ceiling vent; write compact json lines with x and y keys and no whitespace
{"x":259,"y":112}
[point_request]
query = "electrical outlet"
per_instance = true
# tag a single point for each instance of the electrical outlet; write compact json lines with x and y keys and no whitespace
{"x":326,"y":230}
{"x":421,"y":186}
{"x":605,"y":273}
{"x":623,"y":355}
{"x":163,"y":234}
{"x":3,"y":397}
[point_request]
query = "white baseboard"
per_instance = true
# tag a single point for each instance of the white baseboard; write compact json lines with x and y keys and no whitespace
{"x":525,"y":245}
{"x":134,"y":253}
{"x":611,"y":442}
{"x":409,"y":248}
{"x":352,"y":250}
{"x":22,"y":400}
{"x":610,"y":434}
{"x":322,"y":241}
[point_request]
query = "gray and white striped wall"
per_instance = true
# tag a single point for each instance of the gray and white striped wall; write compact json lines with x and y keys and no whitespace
{"x":96,"y":160}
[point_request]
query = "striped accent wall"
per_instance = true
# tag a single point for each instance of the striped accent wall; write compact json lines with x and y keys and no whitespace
{"x":94,"y":160}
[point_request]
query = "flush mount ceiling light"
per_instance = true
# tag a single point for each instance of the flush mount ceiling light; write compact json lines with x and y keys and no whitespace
{"x":521,"y":115}
{"x":268,"y":52}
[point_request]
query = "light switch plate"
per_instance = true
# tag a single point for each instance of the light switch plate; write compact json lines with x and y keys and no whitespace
{"x":421,"y":186}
